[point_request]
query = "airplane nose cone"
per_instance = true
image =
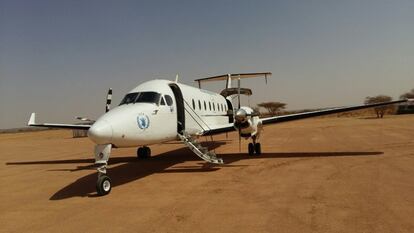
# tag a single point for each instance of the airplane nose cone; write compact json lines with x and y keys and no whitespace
{"x":100,"y":132}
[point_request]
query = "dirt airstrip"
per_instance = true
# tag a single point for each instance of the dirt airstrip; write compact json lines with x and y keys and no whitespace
{"x":316,"y":175}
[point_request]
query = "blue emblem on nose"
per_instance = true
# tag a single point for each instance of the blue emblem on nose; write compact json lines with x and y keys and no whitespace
{"x":143,"y":121}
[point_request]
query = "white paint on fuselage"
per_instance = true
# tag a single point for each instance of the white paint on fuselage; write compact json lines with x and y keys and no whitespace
{"x":122,"y":120}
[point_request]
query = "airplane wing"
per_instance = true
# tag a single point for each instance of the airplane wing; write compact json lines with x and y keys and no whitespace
{"x":220,"y":129}
{"x":52,"y":125}
{"x":299,"y":116}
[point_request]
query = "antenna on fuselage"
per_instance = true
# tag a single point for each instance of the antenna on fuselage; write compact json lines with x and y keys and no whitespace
{"x":176,"y":78}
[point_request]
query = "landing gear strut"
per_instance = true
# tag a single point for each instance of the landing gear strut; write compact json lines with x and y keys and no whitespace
{"x":103,"y":184}
{"x":143,"y":152}
{"x":254,"y":147}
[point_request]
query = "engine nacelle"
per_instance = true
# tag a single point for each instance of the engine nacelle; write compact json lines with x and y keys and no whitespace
{"x":247,"y":122}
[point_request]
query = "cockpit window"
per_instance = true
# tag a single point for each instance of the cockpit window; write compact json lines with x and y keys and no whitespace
{"x":169,"y":100}
{"x":141,"y":97}
{"x":129,"y":98}
{"x":148,"y":97}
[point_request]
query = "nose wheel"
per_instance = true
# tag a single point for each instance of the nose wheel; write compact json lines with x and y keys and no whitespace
{"x":103,"y":185}
{"x":143,"y":152}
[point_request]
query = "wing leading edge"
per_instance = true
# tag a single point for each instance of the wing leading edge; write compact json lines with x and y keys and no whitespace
{"x":299,"y":116}
{"x":52,"y":125}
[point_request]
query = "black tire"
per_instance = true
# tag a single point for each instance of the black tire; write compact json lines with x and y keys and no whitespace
{"x":258,"y":148}
{"x":251,"y":149}
{"x":139,"y":152}
{"x":144,"y":152}
{"x":147,"y":152}
{"x":103,"y":185}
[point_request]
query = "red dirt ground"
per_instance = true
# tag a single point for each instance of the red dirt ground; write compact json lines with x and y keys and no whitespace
{"x":316,"y":175}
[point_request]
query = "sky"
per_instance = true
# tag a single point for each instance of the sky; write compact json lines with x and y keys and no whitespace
{"x":58,"y":58}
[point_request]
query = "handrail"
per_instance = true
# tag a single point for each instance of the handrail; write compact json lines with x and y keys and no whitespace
{"x":209,"y":129}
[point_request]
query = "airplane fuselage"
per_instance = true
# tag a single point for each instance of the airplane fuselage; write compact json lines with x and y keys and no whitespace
{"x":155,"y":111}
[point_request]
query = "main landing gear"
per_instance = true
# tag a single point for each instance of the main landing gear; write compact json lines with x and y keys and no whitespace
{"x":254,"y":147}
{"x":143,"y":152}
{"x":102,"y":152}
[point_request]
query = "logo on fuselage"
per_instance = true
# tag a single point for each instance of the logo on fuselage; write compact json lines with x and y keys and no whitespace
{"x":143,"y":121}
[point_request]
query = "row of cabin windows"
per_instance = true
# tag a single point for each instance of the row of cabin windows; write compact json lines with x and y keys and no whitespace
{"x":211,"y":106}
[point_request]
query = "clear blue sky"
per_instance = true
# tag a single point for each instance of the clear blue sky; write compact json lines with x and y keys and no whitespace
{"x":58,"y":58}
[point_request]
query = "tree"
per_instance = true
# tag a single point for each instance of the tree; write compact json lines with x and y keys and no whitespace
{"x":272,"y":107}
{"x":380,"y":111}
{"x":408,"y":95}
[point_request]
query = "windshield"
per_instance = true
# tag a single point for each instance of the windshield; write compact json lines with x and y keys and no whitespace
{"x":141,"y":97}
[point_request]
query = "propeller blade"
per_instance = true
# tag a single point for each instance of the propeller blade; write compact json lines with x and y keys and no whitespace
{"x":108,"y":100}
{"x":239,"y":140}
{"x":238,"y":94}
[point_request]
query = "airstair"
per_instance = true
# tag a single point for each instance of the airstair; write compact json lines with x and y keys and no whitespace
{"x":198,"y":149}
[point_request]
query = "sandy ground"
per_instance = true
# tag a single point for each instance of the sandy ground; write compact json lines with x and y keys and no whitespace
{"x":316,"y":175}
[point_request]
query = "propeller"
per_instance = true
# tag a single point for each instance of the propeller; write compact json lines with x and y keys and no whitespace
{"x":108,"y":100}
{"x":107,"y":108}
{"x":238,"y":93}
{"x":239,"y":140}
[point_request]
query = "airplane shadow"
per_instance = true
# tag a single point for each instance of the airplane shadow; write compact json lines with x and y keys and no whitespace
{"x":131,"y":168}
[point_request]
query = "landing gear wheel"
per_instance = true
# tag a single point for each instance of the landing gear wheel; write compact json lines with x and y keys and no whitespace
{"x":251,"y":149}
{"x":258,"y":148}
{"x":103,"y":185}
{"x":147,"y":152}
{"x":144,"y":152}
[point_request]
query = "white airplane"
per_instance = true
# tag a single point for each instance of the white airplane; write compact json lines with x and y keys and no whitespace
{"x":159,"y":111}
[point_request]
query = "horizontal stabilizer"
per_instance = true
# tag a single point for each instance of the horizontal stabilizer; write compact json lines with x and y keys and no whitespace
{"x":234,"y":76}
{"x":234,"y":91}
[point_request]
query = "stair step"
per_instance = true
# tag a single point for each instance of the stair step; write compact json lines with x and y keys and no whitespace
{"x":199,"y":150}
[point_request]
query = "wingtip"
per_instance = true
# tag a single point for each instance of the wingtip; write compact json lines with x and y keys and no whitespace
{"x":32,"y":119}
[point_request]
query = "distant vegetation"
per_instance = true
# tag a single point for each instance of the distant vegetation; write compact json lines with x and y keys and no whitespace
{"x":408,"y":95}
{"x":278,"y":108}
{"x":23,"y":130}
{"x":273,"y":107}
{"x":381,"y":110}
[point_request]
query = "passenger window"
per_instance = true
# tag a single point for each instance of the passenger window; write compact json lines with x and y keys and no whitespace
{"x":205,"y":105}
{"x":214,"y":107}
{"x":199,"y":104}
{"x":193,"y":104}
{"x":169,"y":100}
{"x":162,"y":101}
{"x":209,"y":105}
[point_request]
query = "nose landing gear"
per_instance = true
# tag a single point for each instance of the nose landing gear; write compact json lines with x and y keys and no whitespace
{"x":103,"y":184}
